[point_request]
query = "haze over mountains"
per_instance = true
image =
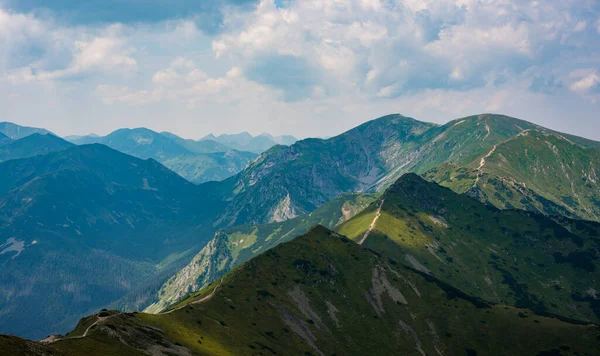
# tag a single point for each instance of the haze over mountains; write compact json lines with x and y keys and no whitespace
{"x":86,"y":226}
{"x":197,"y":161}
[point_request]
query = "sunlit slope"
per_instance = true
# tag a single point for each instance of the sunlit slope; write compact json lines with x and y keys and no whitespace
{"x":504,"y":256}
{"x":321,"y":294}
{"x":546,"y":173}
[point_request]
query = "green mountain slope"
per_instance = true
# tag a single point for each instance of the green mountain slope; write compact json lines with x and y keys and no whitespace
{"x":198,"y":162}
{"x":32,"y":145}
{"x":84,"y":226}
{"x":321,"y":294}
{"x":15,"y":132}
{"x":512,"y":257}
{"x":233,"y":246}
{"x":546,"y":173}
{"x":286,"y":182}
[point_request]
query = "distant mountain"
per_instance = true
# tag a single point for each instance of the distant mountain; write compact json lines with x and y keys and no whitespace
{"x":286,"y":140}
{"x":204,"y":146}
{"x":84,"y":226}
{"x":511,"y":257}
{"x":4,"y":140}
{"x":15,"y":132}
{"x":82,"y":139}
{"x":234,"y":246}
{"x":198,"y":162}
{"x":322,"y":294}
{"x":205,"y":167}
{"x":241,"y":139}
{"x":286,"y":182}
{"x":141,"y":233}
{"x":143,"y":143}
{"x":32,"y":145}
{"x":246,"y":142}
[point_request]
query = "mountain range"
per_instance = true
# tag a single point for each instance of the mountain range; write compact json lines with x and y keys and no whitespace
{"x":83,"y":226}
{"x":322,"y":294}
{"x":286,"y":182}
{"x":32,"y":145}
{"x":196,"y":161}
{"x":86,"y":226}
{"x":15,"y":132}
{"x":246,"y":142}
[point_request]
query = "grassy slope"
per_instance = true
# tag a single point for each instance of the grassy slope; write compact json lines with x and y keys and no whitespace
{"x":539,"y":172}
{"x":374,"y":155}
{"x":233,"y":246}
{"x":323,"y":294}
{"x":510,"y":257}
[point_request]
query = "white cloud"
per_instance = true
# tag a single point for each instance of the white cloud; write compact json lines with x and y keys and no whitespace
{"x":349,"y":60}
{"x":16,"y":26}
{"x":584,"y":82}
{"x":98,"y":54}
{"x":182,"y":82}
{"x":404,"y":45}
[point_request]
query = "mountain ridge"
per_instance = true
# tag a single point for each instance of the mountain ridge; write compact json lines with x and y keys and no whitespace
{"x":370,"y":157}
{"x":15,"y":132}
{"x":511,"y":257}
{"x":198,"y":162}
{"x":84,"y":226}
{"x":322,"y":294}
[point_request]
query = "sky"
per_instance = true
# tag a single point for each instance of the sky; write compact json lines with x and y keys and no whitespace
{"x":306,"y":68}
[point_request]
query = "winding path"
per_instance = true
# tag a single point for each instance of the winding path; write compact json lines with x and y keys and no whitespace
{"x":377,"y":215}
{"x":201,"y":300}
{"x":53,"y":338}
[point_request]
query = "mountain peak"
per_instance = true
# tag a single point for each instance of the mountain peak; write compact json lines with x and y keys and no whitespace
{"x":412,"y":190}
{"x":16,"y":132}
{"x":411,"y":184}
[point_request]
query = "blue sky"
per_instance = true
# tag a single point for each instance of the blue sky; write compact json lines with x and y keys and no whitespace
{"x":307,"y":68}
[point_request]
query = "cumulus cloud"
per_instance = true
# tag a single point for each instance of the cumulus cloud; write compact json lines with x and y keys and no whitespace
{"x":585,"y":82}
{"x":97,"y":54}
{"x":339,"y":62}
{"x":182,"y":82}
{"x":391,"y":48}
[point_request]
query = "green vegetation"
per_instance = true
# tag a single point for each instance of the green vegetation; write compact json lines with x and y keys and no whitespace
{"x":233,"y":246}
{"x":539,"y":172}
{"x":524,"y":166}
{"x":511,"y":257}
{"x":86,"y":227}
{"x":321,"y":294}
